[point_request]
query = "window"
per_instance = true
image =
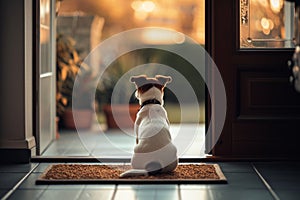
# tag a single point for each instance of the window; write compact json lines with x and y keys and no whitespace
{"x":45,"y":36}
{"x":266,"y":24}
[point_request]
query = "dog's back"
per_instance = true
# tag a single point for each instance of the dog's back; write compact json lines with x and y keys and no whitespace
{"x":153,"y":129}
{"x":155,"y":142}
{"x":154,"y":151}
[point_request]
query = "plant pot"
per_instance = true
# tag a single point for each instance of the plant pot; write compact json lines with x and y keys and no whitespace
{"x":84,"y":121}
{"x":57,"y":135}
{"x":122,"y":114}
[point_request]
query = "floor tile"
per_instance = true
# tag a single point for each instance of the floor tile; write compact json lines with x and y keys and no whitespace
{"x":288,"y":194}
{"x":26,"y":194}
{"x":115,"y":143}
{"x":159,"y":187}
{"x":283,"y":180}
{"x":65,"y":187}
{"x":167,"y":194}
{"x":193,"y":186}
{"x":236,"y":167}
{"x":51,"y":151}
{"x":96,"y":194}
{"x":9,"y":180}
{"x":100,"y":187}
{"x":239,"y":181}
{"x":79,"y":151}
{"x":242,"y":194}
{"x":17,"y":167}
{"x":226,"y":194}
{"x":235,"y":181}
{"x":128,"y":187}
{"x":3,"y":192}
{"x":29,"y":183}
{"x":128,"y":193}
{"x":42,"y":167}
{"x":136,"y":194}
{"x":61,"y":194}
{"x":199,"y":193}
{"x":278,"y":165}
{"x":148,"y":187}
{"x":146,"y":194}
{"x":280,"y":175}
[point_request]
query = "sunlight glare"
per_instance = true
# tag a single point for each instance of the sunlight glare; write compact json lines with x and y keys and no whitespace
{"x":276,"y":5}
{"x":162,"y":37}
{"x":143,"y":6}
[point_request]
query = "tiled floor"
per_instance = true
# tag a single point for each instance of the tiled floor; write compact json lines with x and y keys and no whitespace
{"x":246,"y":180}
{"x":282,"y":182}
{"x":189,"y":139}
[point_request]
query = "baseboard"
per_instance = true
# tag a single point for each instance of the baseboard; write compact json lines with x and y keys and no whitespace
{"x":15,"y":155}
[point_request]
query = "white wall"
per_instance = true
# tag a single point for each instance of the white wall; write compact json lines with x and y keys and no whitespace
{"x":16,"y":76}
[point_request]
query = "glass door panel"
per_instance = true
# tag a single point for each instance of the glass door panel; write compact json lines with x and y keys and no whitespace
{"x":266,"y":24}
{"x":47,"y":79}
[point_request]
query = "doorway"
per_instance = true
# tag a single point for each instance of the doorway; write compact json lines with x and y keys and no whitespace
{"x":82,"y":26}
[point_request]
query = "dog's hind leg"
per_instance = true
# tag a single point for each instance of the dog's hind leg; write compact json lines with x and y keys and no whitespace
{"x":153,"y":168}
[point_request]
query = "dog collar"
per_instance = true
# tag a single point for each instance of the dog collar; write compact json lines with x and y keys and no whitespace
{"x":150,"y":101}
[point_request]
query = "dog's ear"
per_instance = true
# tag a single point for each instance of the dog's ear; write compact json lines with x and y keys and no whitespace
{"x":138,"y":80}
{"x":164,"y":80}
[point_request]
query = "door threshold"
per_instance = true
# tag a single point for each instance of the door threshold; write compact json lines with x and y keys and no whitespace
{"x":207,"y":158}
{"x":91,"y":159}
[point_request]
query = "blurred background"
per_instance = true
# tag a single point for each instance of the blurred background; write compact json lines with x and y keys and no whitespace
{"x":84,"y":24}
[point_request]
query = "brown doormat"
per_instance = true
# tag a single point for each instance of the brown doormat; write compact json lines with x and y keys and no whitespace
{"x":91,"y":174}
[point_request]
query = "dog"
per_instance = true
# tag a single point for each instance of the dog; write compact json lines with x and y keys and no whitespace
{"x":154,"y":151}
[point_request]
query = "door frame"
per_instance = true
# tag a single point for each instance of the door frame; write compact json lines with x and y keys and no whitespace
{"x":209,"y":46}
{"x":36,"y":73}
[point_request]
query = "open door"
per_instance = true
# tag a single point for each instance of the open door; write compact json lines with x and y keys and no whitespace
{"x":263,"y":112}
{"x":45,"y":73}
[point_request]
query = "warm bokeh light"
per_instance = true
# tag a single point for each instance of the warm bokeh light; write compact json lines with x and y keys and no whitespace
{"x":42,"y":12}
{"x":143,"y":6}
{"x":162,"y":37}
{"x":148,"y":6}
{"x":266,"y":31}
{"x":276,"y":5}
{"x":262,"y":2}
{"x":136,"y":5}
{"x":265,"y":23}
{"x":186,"y":16}
{"x":271,"y":24}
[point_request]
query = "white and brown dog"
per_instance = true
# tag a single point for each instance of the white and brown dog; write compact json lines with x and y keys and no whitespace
{"x":154,"y":151}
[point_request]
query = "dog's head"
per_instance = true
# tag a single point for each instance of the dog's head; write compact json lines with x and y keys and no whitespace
{"x":150,"y":88}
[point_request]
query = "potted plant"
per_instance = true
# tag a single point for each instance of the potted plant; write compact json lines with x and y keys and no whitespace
{"x":69,"y":65}
{"x":120,"y":105}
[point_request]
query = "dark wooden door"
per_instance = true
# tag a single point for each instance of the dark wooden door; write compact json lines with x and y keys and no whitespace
{"x":263,"y":109}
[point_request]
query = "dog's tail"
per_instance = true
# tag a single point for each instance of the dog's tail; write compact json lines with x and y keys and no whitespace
{"x":134,"y":172}
{"x":151,"y":169}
